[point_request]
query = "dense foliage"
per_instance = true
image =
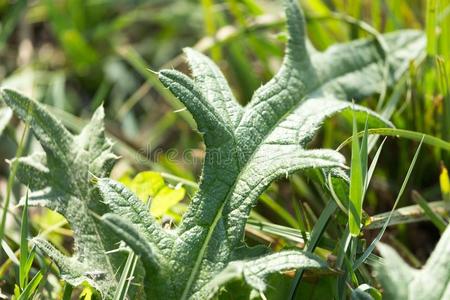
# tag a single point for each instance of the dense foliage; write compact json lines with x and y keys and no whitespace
{"x":134,"y":238}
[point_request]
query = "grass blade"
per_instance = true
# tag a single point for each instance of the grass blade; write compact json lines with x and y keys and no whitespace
{"x":10,"y":184}
{"x":407,"y":134}
{"x":279,"y":210}
{"x":374,"y":164}
{"x":444,"y":85}
{"x":316,"y":234}
{"x":31,"y":287}
{"x":364,"y":156}
{"x":372,"y":245}
{"x":10,"y":253}
{"x":68,"y":289}
{"x":121,"y":292}
{"x":356,"y":185}
{"x":23,"y":270}
{"x":436,"y":219}
{"x":407,"y":214}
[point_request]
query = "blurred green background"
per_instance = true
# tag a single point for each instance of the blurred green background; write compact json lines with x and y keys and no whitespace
{"x":74,"y":55}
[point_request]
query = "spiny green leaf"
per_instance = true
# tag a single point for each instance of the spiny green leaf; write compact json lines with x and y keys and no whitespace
{"x":400,"y":281}
{"x":133,"y":237}
{"x":253,"y":272}
{"x":124,"y":203}
{"x":214,"y":86}
{"x":59,"y":180}
{"x":248,"y":148}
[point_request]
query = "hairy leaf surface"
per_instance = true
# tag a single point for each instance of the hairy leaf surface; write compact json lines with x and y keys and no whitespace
{"x":59,"y":180}
{"x":400,"y":281}
{"x":247,"y":148}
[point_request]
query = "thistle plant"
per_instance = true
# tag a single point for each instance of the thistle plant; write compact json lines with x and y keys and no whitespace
{"x":400,"y":281}
{"x":247,"y":148}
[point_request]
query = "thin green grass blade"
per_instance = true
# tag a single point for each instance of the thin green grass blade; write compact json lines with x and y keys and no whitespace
{"x":436,"y":219}
{"x":445,"y":90}
{"x":374,"y":163}
{"x":279,"y":210}
{"x":11,"y":179}
{"x":316,"y":234}
{"x":372,"y":245}
{"x":137,"y":62}
{"x":131,"y":273}
{"x":407,"y":134}
{"x":10,"y":253}
{"x":376,"y":14}
{"x":335,"y":196}
{"x":210,"y":26}
{"x":68,"y":289}
{"x":122,"y":287}
{"x":344,"y":243}
{"x":288,"y":233}
{"x":127,"y":273}
{"x":29,"y":261}
{"x":23,"y":270}
{"x":356,"y":185}
{"x":364,"y":156}
{"x":31,"y":287}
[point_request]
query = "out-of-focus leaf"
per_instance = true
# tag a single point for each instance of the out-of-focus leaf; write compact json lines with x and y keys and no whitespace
{"x":150,"y":185}
{"x":9,"y":21}
{"x":5,"y":116}
{"x":445,"y":184}
{"x":400,"y":281}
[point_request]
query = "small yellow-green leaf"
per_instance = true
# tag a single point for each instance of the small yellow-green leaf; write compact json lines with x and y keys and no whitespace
{"x":445,"y":183}
{"x":151,"y":184}
{"x":147,"y":184}
{"x":87,"y":292}
{"x":166,"y":199}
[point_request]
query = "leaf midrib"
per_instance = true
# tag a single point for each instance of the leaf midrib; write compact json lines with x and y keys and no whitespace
{"x":218,"y":215}
{"x":315,"y":88}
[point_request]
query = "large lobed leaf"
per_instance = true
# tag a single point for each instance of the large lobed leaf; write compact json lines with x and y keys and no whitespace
{"x":252,"y":272}
{"x":400,"y":281}
{"x":246,"y":149}
{"x":59,"y":180}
